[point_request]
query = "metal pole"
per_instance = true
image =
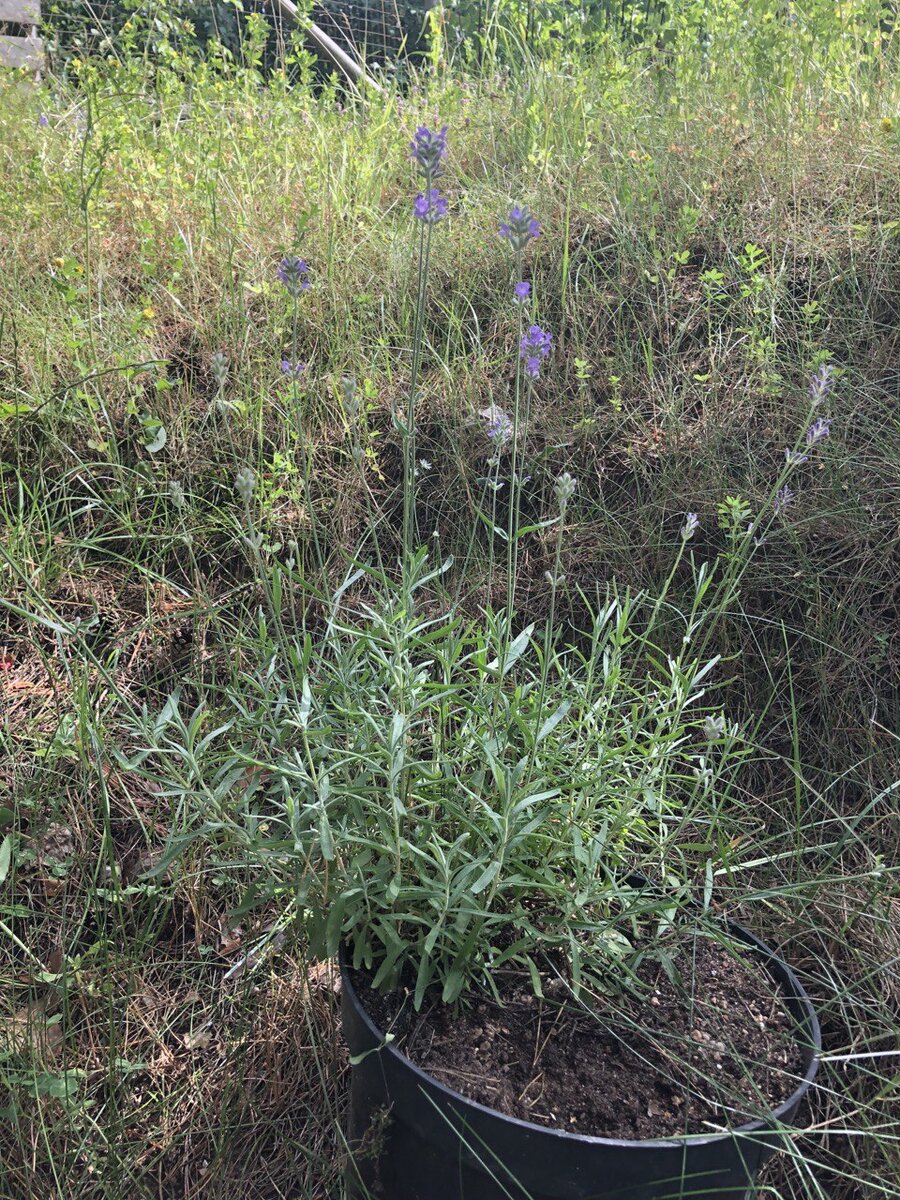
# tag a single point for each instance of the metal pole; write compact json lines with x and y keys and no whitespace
{"x":356,"y":72}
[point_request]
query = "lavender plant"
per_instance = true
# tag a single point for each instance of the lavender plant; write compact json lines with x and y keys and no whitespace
{"x":446,"y":795}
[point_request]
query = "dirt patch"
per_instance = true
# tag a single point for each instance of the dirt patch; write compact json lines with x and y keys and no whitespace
{"x":710,"y":1051}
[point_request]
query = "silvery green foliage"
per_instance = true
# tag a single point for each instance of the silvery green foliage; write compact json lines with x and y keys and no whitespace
{"x":425,"y":801}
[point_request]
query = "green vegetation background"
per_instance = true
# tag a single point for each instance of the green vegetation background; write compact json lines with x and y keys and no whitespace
{"x":718,"y":191}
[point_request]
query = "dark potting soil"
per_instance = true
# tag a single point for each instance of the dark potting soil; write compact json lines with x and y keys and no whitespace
{"x":686,"y":1059}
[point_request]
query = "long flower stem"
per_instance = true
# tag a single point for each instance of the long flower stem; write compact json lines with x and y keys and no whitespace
{"x":549,"y":640}
{"x":738,"y":560}
{"x":512,"y":526}
{"x":409,"y":434}
{"x":305,"y":453}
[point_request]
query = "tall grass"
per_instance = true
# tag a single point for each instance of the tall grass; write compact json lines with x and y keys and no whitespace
{"x":717,"y":223}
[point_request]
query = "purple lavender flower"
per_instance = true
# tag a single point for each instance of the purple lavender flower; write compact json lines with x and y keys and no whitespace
{"x":293,"y":370}
{"x":430,"y":206}
{"x":499,"y":427}
{"x":690,"y":526}
{"x":534,"y":346}
{"x":519,"y":228}
{"x":821,"y":383}
{"x":428,"y":147}
{"x":293,"y":272}
{"x":818,"y":431}
{"x":43,"y":120}
{"x":536,"y":339}
{"x":522,"y":292}
{"x":783,"y":498}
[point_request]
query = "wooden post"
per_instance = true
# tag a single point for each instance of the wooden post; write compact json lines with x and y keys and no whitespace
{"x":25,"y":51}
{"x":355,"y":71}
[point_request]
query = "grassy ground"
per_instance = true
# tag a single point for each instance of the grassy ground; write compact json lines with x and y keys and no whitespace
{"x":708,"y":240}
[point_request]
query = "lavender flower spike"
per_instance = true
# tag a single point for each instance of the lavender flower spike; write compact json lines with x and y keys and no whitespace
{"x":428,"y":147}
{"x":500,"y":427}
{"x":293,"y":370}
{"x":43,"y":120}
{"x":430,"y":206}
{"x":218,"y":365}
{"x":534,"y":346}
{"x":690,"y":526}
{"x":818,"y":431}
{"x":519,"y":228}
{"x":293,"y":272}
{"x":522,"y":292}
{"x":783,"y":498}
{"x":564,"y":489}
{"x":244,"y":483}
{"x":821,"y":383}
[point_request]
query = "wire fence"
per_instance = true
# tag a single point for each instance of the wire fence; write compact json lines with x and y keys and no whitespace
{"x":384,"y":31}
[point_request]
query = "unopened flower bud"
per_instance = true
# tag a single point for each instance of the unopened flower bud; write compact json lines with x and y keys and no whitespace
{"x":244,"y":483}
{"x":218,"y":364}
{"x":564,"y":489}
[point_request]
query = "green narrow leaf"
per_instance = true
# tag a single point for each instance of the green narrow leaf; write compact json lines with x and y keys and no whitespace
{"x":423,"y":979}
{"x":517,"y":648}
{"x":431,"y":940}
{"x":356,"y":1059}
{"x":708,"y":884}
{"x":552,"y":721}
{"x":5,"y":857}
{"x":326,"y":841}
{"x":535,"y":977}
{"x":14,"y":409}
{"x":485,"y":878}
{"x":495,"y":529}
{"x":526,"y":529}
{"x":176,"y":846}
{"x":453,"y":985}
{"x":333,"y":925}
{"x":305,"y":704}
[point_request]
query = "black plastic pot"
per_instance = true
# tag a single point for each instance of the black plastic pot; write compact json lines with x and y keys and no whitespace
{"x":418,"y":1140}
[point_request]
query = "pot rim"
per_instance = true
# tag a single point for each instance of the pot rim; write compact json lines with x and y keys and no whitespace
{"x":676,"y":1143}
